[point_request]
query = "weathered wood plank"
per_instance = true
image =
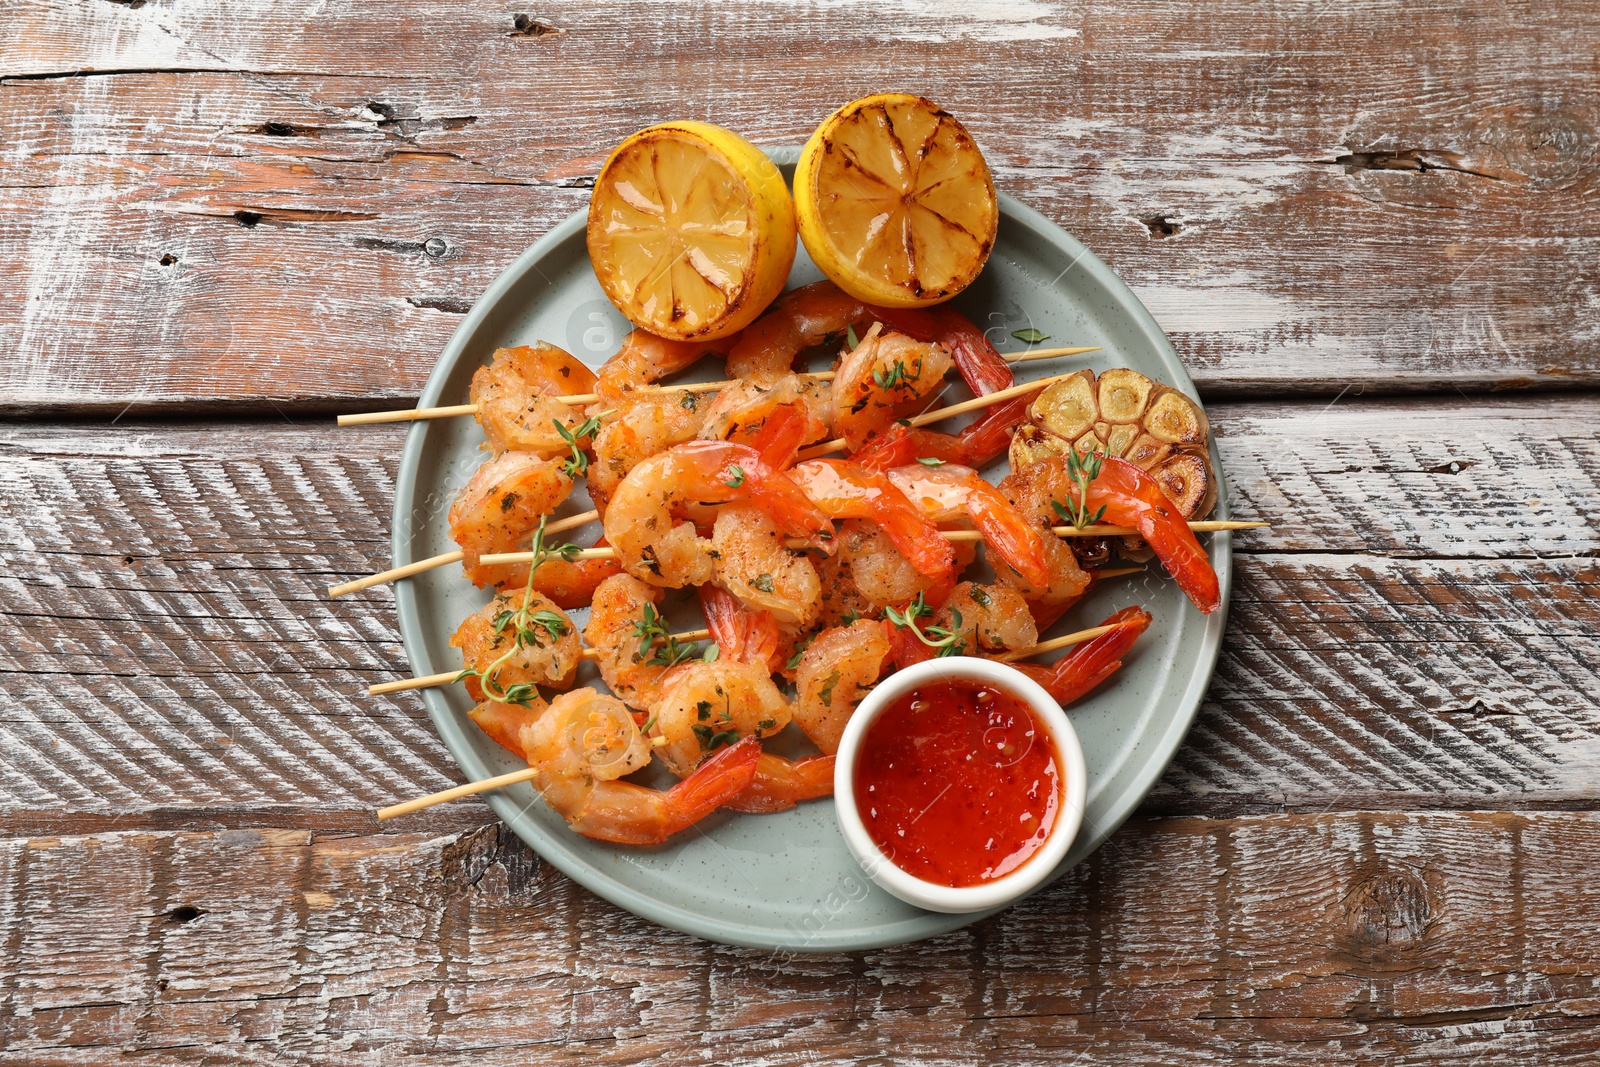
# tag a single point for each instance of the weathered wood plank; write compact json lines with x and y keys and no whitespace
{"x":1310,"y":939}
{"x":1301,"y":214}
{"x":166,"y":646}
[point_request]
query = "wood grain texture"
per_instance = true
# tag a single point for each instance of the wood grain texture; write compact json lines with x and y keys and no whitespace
{"x":237,"y":207}
{"x":1404,"y":635}
{"x":1311,"y":197}
{"x":1298,"y":939}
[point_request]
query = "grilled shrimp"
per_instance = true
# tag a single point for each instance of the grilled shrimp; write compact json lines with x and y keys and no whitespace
{"x":1034,"y":494}
{"x":993,"y":618}
{"x":585,"y":742}
{"x":836,"y":671}
{"x":641,"y":425}
{"x":645,"y":358}
{"x":754,"y":637}
{"x":844,"y":490}
{"x":885,"y":377}
{"x":742,"y":412}
{"x":500,"y":507}
{"x":705,"y":706}
{"x":1132,"y":498}
{"x":883,"y":576}
{"x":741,"y":633}
{"x":571,"y":583}
{"x":984,"y":371}
{"x":1072,"y":676}
{"x":950,"y":490}
{"x":515,"y":397}
{"x":842,"y":601}
{"x":543,"y":651}
{"x":642,"y":525}
{"x":803,"y":317}
{"x":504,"y":722}
{"x":614,"y":629}
{"x":753,"y":564}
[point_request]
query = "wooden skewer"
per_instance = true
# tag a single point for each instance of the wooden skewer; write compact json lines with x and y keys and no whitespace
{"x":428,"y":681}
{"x":578,"y":399}
{"x":1059,"y":642}
{"x":1104,"y":530}
{"x":1094,"y":530}
{"x":499,"y":781}
{"x":828,"y":375}
{"x":571,"y":522}
{"x":503,"y":780}
{"x":407,"y":414}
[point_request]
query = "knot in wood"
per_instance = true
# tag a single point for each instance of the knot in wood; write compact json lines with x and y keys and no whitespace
{"x":1548,"y":149}
{"x":1389,"y":910}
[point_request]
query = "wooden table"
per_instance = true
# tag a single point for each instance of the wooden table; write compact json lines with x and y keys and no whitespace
{"x":1371,"y":230}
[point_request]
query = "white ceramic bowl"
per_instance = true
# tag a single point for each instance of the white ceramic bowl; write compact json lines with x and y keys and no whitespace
{"x":1058,"y":732}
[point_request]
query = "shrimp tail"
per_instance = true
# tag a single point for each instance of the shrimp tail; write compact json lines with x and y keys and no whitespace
{"x":741,"y":633}
{"x":626,"y":814}
{"x":1076,"y":674}
{"x":780,"y":784}
{"x":782,"y":434}
{"x":1133,"y":498}
{"x":987,"y":438}
{"x":981,"y":367}
{"x":713,"y":784}
{"x":1009,"y":535}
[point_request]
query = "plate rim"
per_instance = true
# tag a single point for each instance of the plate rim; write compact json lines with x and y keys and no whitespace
{"x":722,"y":929}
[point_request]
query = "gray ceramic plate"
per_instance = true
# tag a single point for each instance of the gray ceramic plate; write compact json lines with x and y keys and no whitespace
{"x":785,"y":881}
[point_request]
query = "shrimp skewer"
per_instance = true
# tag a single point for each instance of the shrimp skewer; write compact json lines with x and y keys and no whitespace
{"x":1073,"y":676}
{"x":367,"y":418}
{"x":577,"y":750}
{"x":1130,"y":619}
{"x":978,"y":403}
{"x":1132,"y":499}
{"x":955,"y":537}
{"x":754,"y":637}
{"x":601,"y":475}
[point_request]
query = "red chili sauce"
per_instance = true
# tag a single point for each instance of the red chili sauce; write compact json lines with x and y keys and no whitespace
{"x":958,"y":783}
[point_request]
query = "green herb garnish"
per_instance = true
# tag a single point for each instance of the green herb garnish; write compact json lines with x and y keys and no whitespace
{"x":579,"y":463}
{"x":525,"y":623}
{"x":1082,"y":469}
{"x":947,"y":641}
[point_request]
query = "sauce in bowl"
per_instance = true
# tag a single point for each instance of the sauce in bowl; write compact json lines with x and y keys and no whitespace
{"x":958,"y":783}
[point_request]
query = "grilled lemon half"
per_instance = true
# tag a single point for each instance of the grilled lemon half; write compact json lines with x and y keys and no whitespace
{"x":895,"y":202}
{"x":691,"y":230}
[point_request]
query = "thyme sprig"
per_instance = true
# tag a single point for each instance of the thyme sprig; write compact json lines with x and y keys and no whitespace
{"x":947,"y":641}
{"x":1082,"y":469}
{"x":524,"y":623}
{"x":650,"y":627}
{"x":579,"y":463}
